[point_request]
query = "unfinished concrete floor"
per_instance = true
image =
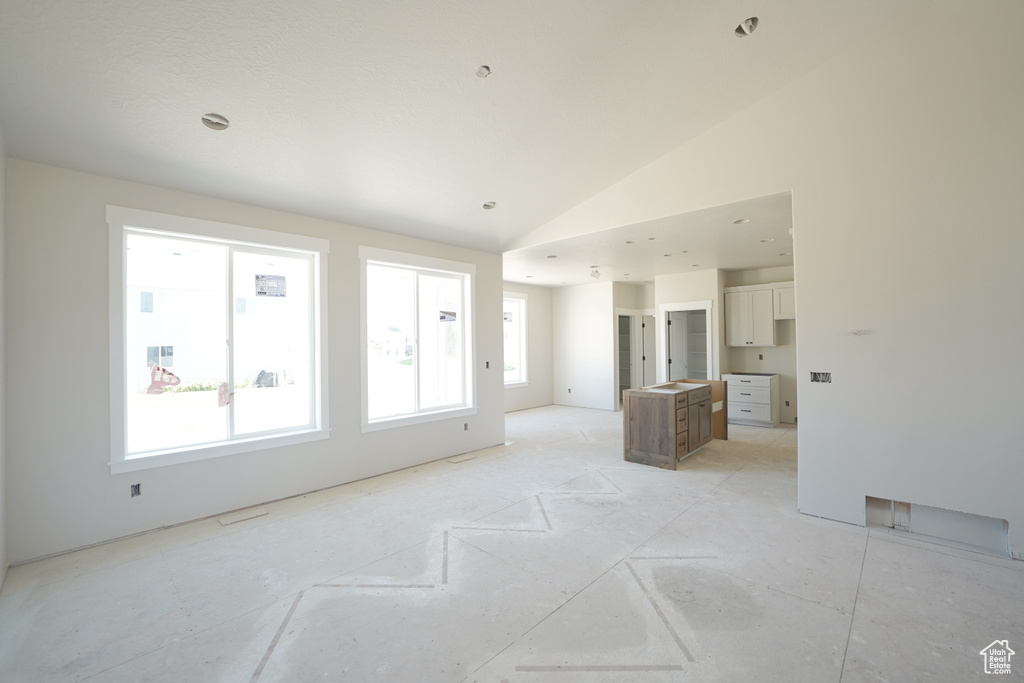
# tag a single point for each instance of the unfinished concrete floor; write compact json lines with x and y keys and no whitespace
{"x":547,"y":560}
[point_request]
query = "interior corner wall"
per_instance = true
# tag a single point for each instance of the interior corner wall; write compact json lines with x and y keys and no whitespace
{"x":905,"y":157}
{"x":584,"y":342}
{"x":3,"y":363}
{"x":61,"y":493}
{"x":539,"y":351}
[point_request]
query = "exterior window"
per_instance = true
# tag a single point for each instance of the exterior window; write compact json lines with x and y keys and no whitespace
{"x":417,"y":320}
{"x":514,"y":326}
{"x":220,"y":340}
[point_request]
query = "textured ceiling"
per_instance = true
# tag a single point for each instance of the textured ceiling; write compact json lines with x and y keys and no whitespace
{"x":371,"y":113}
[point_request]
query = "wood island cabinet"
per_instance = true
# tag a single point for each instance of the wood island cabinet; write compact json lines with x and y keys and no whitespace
{"x":662,"y":424}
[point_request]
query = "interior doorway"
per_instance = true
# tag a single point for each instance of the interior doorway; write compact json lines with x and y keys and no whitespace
{"x":688,"y":346}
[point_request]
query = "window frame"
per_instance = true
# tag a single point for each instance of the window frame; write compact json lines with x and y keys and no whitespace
{"x":121,"y":221}
{"x":524,"y":338}
{"x":417,"y":262}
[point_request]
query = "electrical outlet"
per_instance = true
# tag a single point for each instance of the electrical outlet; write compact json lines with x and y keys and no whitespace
{"x":570,"y":391}
{"x":787,"y":404}
{"x":136,"y":490}
{"x":465,"y":426}
{"x":487,"y":365}
{"x":760,"y":356}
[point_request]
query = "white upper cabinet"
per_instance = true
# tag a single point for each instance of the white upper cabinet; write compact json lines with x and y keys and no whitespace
{"x":785,"y":303}
{"x":749,"y":318}
{"x":751,"y":312}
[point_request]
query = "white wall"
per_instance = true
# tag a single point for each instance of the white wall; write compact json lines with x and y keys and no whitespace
{"x":62,"y":494}
{"x":584,"y":341}
{"x":905,"y":157}
{"x":780,"y":358}
{"x":539,"y":350}
{"x":626,"y":295}
{"x":701,"y":285}
{"x":3,"y":364}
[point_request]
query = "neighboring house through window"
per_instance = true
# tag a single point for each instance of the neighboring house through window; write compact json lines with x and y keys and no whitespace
{"x":218,"y":339}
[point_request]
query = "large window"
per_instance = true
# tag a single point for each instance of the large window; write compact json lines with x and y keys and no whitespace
{"x":514,"y":326}
{"x":216,"y":339}
{"x":417,"y":319}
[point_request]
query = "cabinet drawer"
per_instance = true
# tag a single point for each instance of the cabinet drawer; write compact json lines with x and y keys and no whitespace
{"x":747,"y":381}
{"x":750,"y":411}
{"x":698,"y":395}
{"x":681,"y":445}
{"x":745,"y":394}
{"x":681,"y":421}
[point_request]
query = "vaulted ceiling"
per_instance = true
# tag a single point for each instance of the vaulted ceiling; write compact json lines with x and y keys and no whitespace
{"x":372,"y":112}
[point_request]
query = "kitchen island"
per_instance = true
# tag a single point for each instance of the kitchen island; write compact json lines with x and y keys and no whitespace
{"x":664,"y":423}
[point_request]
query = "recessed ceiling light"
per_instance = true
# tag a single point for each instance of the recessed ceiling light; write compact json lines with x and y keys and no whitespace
{"x":667,"y":255}
{"x":593,"y":266}
{"x":696,"y":265}
{"x":630,"y":241}
{"x":528,"y":277}
{"x":215,"y":121}
{"x":739,"y":221}
{"x":553,"y":256}
{"x":626,"y":274}
{"x":770,"y":239}
{"x":650,"y":239}
{"x":786,"y":253}
{"x":746,"y":27}
{"x":484,"y":71}
{"x":489,"y":205}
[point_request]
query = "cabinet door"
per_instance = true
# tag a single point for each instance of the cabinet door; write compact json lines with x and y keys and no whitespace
{"x":737,"y":319}
{"x":785,"y":304}
{"x":762,"y":317}
{"x":705,"y":420}
{"x":694,"y":430}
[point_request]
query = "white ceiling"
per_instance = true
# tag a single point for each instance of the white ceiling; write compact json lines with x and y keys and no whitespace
{"x":370,"y":112}
{"x":699,"y":240}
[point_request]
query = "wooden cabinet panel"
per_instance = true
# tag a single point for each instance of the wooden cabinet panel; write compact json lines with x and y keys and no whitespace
{"x":660,"y":428}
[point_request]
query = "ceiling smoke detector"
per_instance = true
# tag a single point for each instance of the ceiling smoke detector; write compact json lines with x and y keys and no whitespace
{"x":489,"y":205}
{"x":594,"y":274}
{"x":484,"y":71}
{"x":746,"y":27}
{"x":215,"y":121}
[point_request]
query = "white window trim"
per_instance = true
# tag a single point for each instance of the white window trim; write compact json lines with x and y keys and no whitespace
{"x":397,"y":258}
{"x":524,"y":342}
{"x":119,"y":218}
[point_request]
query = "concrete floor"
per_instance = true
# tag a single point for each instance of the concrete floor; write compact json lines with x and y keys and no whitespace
{"x":547,"y":560}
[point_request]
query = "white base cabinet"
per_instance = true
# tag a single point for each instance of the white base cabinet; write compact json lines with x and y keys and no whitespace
{"x":753,"y":399}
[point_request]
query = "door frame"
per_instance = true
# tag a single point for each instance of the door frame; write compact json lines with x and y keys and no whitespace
{"x":635,"y":346}
{"x":662,"y":322}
